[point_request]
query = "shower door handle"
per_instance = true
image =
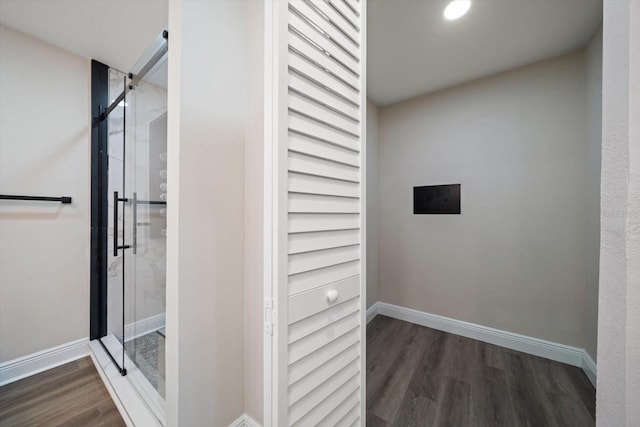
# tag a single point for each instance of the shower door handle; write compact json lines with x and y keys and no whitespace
{"x":135,"y":222}
{"x":116,"y":200}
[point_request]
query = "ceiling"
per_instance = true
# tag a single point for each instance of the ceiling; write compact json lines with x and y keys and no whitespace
{"x":413,"y":50}
{"x":114,"y":32}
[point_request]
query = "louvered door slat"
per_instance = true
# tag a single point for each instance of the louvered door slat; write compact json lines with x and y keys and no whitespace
{"x":312,"y":405}
{"x":307,"y":242}
{"x":304,"y":223}
{"x":312,"y":147}
{"x":351,"y":419}
{"x":354,"y":5}
{"x":307,"y":261}
{"x":346,"y":12}
{"x":318,"y":167}
{"x":309,"y":403}
{"x":312,"y":70}
{"x":307,"y":384}
{"x":310,"y":73}
{"x":317,"y":340}
{"x":313,"y":203}
{"x":309,"y":107}
{"x":315,"y":128}
{"x":320,"y":41}
{"x":337,"y":38}
{"x":310,"y":184}
{"x":327,"y":12}
{"x":341,"y":344}
{"x":333,"y":399}
{"x":298,"y":330}
{"x":334,"y":68}
{"x":322,"y":96}
{"x":341,"y":412}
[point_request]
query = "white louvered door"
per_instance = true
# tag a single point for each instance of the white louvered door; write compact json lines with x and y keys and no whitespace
{"x":315,"y":125}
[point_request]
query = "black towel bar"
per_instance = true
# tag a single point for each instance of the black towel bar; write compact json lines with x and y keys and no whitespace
{"x":63,"y":199}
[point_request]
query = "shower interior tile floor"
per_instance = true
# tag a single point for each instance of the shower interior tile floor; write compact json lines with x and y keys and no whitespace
{"x":417,"y":376}
{"x":147,"y":351}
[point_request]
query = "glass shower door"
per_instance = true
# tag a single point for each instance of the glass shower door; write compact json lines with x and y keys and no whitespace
{"x":114,"y":339}
{"x":145,"y":231}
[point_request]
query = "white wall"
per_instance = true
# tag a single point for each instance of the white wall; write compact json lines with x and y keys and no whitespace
{"x":205,"y":235}
{"x":254,"y":218}
{"x":618,"y":395}
{"x":372,"y":203}
{"x":516,"y":143}
{"x":593,"y":62}
{"x":44,"y":150}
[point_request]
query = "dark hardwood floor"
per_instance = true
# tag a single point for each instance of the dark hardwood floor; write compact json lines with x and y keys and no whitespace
{"x":418,"y":376}
{"x":69,"y":395}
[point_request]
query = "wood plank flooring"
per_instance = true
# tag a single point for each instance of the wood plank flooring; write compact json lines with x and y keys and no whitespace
{"x":69,"y":395}
{"x":418,"y":376}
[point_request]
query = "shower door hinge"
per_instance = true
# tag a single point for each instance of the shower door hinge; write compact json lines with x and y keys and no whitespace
{"x":269,"y":316}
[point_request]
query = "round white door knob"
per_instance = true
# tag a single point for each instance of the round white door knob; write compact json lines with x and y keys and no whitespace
{"x":332,"y":295}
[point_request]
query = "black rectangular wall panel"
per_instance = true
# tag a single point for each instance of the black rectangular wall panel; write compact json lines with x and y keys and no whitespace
{"x":436,"y":199}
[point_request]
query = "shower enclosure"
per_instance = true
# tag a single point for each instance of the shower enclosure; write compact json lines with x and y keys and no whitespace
{"x":129,"y":183}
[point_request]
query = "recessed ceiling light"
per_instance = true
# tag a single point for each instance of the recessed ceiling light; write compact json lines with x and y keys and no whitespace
{"x":456,"y":9}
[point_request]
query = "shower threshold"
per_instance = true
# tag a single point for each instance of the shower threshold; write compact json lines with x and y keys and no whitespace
{"x":136,"y":399}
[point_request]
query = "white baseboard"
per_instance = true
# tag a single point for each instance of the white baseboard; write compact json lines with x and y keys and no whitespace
{"x":245,"y":420}
{"x":550,"y":350}
{"x":589,"y":367}
{"x":32,"y":364}
{"x":144,"y":326}
{"x":372,"y":312}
